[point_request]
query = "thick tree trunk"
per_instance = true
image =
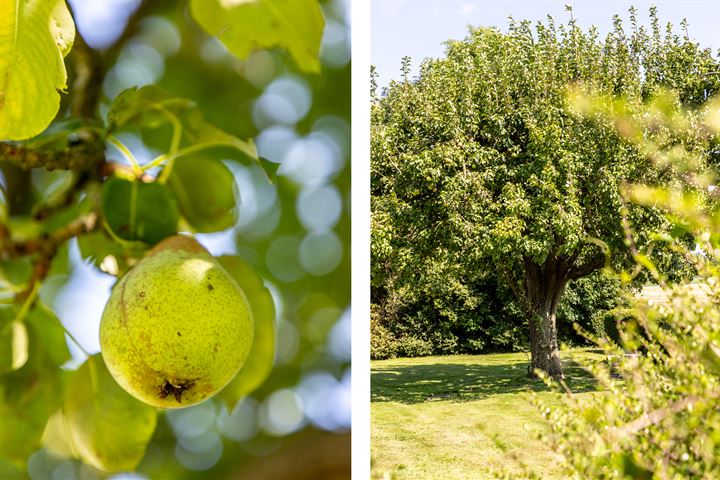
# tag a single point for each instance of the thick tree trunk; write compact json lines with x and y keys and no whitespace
{"x":539,"y":290}
{"x":544,"y":351}
{"x":544,"y":285}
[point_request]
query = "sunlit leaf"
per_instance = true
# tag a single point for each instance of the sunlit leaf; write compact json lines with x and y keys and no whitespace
{"x":206,"y":193}
{"x":13,"y":341}
{"x":108,"y":428}
{"x":244,"y":26}
{"x":35,"y":35}
{"x":29,"y":395}
{"x":261,"y":358}
{"x":55,"y":438}
{"x":103,"y":252}
{"x":139,"y":211}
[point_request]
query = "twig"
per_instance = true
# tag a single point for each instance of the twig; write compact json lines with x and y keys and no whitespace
{"x":46,"y":248}
{"x":81,"y":156}
{"x":126,"y":153}
{"x":655,"y":416}
{"x":109,"y":169}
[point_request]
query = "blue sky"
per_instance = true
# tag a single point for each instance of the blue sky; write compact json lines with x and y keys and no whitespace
{"x":418,"y":28}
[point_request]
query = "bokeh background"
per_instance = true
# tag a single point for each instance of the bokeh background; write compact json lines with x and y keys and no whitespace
{"x":295,"y":232}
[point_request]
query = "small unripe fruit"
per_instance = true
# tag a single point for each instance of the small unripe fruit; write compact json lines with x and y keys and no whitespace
{"x":177,"y":327}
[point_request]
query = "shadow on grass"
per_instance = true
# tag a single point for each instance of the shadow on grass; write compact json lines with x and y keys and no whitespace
{"x":464,"y":382}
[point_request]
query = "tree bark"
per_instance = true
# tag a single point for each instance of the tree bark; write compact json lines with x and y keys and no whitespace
{"x":544,"y":285}
{"x":544,"y":352}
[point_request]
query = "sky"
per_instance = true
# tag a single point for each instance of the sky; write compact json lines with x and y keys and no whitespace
{"x":418,"y":28}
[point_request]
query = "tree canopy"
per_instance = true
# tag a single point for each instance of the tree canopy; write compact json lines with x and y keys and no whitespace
{"x":481,"y":163}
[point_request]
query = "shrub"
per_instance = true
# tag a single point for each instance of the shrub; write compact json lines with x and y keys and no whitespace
{"x":382,"y":342}
{"x":413,"y":347}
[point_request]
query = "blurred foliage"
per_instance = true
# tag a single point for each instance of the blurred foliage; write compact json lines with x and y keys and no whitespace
{"x":452,"y":317}
{"x":659,"y":415}
{"x":492,"y":195}
{"x":247,"y":148}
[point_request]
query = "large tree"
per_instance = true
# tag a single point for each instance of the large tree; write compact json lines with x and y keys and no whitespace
{"x":482,"y":161}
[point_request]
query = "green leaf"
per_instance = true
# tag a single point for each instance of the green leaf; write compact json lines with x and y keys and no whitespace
{"x":49,"y":331}
{"x":55,"y":438}
{"x":262,"y":355}
{"x":198,"y":133}
{"x":29,"y":395}
{"x":98,"y":246}
{"x":270,"y":168}
{"x":108,"y":428}
{"x":139,"y":211}
{"x":142,"y":107}
{"x":206,"y":193}
{"x":14,"y":272}
{"x":35,"y":35}
{"x":10,"y":471}
{"x":13,"y":341}
{"x":151,"y":107}
{"x":248,"y":25}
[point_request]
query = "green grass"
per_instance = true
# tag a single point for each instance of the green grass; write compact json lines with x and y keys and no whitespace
{"x":464,"y":416}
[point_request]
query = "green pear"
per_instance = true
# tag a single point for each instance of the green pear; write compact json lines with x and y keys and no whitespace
{"x":177,"y":327}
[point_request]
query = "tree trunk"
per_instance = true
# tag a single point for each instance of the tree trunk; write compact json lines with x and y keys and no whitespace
{"x":539,"y":291}
{"x":544,"y":351}
{"x":544,"y":285}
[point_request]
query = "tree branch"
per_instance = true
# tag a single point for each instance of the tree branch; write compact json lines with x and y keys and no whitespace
{"x":45,"y":248}
{"x":520,"y":295}
{"x":83,"y":155}
{"x":592,"y":263}
{"x":655,"y":416}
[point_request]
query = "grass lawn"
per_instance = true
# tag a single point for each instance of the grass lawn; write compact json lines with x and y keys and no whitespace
{"x":462,"y":416}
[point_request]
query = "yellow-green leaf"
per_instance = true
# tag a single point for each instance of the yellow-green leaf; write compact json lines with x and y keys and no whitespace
{"x":30,"y":394}
{"x":206,"y":193}
{"x":108,"y":428}
{"x":55,"y":438}
{"x":262,"y":355}
{"x":13,"y":346}
{"x":245,"y":25}
{"x":35,"y":35}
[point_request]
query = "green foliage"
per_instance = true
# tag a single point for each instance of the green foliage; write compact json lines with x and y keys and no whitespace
{"x":261,"y":358}
{"x":483,"y":171}
{"x":453,"y":317}
{"x":607,"y":325}
{"x":26,"y":403}
{"x":585,"y":300}
{"x":413,"y":347}
{"x":13,"y":341}
{"x":382,"y":342}
{"x":205,"y":192}
{"x":245,"y":26}
{"x":145,"y":212}
{"x":150,"y":107}
{"x":93,"y":408}
{"x":659,"y":418}
{"x":34,"y":38}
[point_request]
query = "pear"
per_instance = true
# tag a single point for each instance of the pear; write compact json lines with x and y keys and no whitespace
{"x":177,"y":328}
